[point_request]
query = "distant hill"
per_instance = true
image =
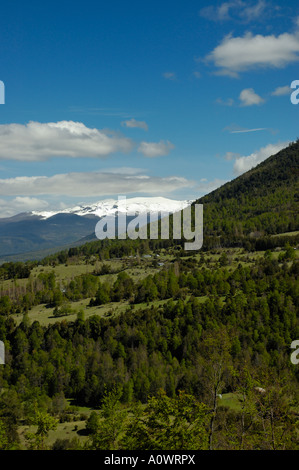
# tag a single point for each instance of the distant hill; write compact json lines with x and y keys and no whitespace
{"x":29,"y":233}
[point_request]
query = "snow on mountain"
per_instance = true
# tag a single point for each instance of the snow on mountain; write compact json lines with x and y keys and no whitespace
{"x":130,"y":206}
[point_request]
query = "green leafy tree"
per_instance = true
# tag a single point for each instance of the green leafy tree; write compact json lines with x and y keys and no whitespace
{"x":177,"y":423}
{"x":278,"y":423}
{"x":44,"y":423}
{"x":7,"y":441}
{"x":112,"y":418}
{"x":92,"y":424}
{"x":216,"y":363}
{"x":102,"y":295}
{"x":239,"y":433}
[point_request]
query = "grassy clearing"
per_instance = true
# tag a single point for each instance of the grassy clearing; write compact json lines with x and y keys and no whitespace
{"x":71,"y":430}
{"x":230,"y":400}
{"x":44,"y":315}
{"x":286,"y":234}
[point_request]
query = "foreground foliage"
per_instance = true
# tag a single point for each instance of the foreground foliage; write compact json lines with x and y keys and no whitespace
{"x":223,"y":329}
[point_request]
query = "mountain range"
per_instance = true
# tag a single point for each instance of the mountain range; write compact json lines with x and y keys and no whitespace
{"x":34,"y":231}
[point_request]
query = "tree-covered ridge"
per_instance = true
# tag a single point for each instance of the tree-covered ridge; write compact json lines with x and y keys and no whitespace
{"x":262,"y":179}
{"x":264,"y":200}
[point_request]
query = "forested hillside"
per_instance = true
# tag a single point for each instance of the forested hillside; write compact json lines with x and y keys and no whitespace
{"x":263,"y":201}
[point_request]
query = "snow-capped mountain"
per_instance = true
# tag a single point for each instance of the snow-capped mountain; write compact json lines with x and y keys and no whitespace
{"x":130,"y":206}
{"x":30,"y":232}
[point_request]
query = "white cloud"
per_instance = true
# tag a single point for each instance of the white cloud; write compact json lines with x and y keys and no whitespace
{"x":244,"y":131}
{"x":239,"y":54}
{"x":169,"y":76}
{"x":238,"y":130}
{"x":245,"y":163}
{"x":155,"y":149}
{"x":281,"y":91}
{"x":132,"y":123}
{"x":252,"y":12}
{"x":235,"y":129}
{"x":235,"y":10}
{"x":37,"y":141}
{"x":248,"y":97}
{"x":220,"y":13}
{"x":91,"y":184}
{"x":21,"y":204}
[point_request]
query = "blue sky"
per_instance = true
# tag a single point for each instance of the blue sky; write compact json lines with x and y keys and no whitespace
{"x":153,"y":98}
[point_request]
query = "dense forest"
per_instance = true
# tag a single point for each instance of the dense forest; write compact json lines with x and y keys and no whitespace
{"x":217,"y":324}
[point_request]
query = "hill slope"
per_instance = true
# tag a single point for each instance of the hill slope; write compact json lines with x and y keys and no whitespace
{"x":262,"y":201}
